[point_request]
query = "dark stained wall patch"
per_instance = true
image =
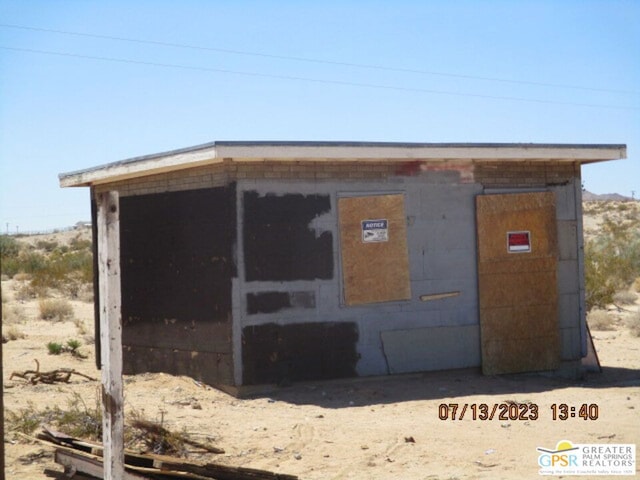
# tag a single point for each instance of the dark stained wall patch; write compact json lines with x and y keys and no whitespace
{"x":271,"y":302}
{"x":279,"y":244}
{"x":301,"y":351}
{"x":267,"y":302}
{"x":177,"y":261}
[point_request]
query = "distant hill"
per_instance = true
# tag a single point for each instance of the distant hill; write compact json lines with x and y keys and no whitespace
{"x":587,"y":196}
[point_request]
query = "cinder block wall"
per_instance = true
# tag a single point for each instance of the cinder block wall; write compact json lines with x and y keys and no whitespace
{"x":439,"y":205}
{"x":489,"y":174}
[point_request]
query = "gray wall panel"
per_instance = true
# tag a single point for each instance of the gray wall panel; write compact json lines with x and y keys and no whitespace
{"x":432,"y":348}
{"x":441,"y":237}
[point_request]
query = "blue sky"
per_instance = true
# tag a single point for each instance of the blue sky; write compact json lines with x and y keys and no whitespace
{"x":454,"y":71}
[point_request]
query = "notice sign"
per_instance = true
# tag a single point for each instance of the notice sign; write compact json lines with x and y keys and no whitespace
{"x":375,"y":231}
{"x":519,"y":242}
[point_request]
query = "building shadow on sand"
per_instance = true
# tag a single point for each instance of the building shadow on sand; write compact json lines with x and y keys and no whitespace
{"x":442,"y":385}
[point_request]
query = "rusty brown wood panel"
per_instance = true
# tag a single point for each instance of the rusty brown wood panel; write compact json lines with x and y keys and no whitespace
{"x":378,"y":271}
{"x":518,"y":291}
{"x":512,"y":323}
{"x":533,"y":212}
{"x":524,"y":264}
{"x":532,"y":353}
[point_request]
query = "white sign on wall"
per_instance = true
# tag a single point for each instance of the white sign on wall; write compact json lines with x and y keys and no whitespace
{"x":375,"y":231}
{"x":519,"y":242}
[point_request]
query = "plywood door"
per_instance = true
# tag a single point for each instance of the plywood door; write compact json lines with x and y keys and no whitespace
{"x":374,"y":271}
{"x":518,"y":284}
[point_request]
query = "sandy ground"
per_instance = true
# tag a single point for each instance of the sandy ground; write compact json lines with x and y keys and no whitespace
{"x":348,"y":429}
{"x":375,"y":428}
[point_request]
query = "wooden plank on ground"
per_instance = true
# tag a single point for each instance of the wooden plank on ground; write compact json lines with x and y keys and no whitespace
{"x":92,"y":465}
{"x":157,"y":466}
{"x":75,"y":461}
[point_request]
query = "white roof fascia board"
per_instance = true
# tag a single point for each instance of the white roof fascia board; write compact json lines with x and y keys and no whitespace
{"x":337,"y":151}
{"x":426,"y":152}
{"x":139,"y":166}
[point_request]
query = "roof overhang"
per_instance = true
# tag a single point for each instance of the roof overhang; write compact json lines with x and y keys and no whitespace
{"x":218,"y":152}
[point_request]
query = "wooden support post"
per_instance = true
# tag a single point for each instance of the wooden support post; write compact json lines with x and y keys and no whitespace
{"x":111,"y":334}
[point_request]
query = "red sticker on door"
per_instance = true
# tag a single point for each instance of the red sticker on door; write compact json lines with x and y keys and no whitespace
{"x":519,"y":242}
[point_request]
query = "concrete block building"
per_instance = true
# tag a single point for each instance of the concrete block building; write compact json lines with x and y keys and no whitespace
{"x":250,"y":263}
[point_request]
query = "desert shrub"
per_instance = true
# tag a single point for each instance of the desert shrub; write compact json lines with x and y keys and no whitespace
{"x":595,"y":207}
{"x":25,"y":420}
{"x":28,"y":291}
{"x":86,"y":293}
{"x":601,"y":282}
{"x":9,"y":266}
{"x":32,"y":262}
{"x":82,"y":421}
{"x":50,"y":277}
{"x":79,"y":266}
{"x":79,"y":244}
{"x":61,"y":267}
{"x":26,"y":262}
{"x":47,"y":245}
{"x":612,"y":262}
{"x":631,"y":216}
{"x":55,"y":309}
{"x":9,"y":247}
{"x":72,"y":286}
{"x":81,"y":261}
{"x":76,"y":419}
{"x":13,"y":333}
{"x":12,"y":315}
{"x":600,"y":320}
{"x":55,"y":348}
{"x":72,"y":346}
{"x":625,"y":297}
{"x":80,"y":325}
{"x":66,"y":272}
{"x":23,"y":293}
{"x":633,"y":323}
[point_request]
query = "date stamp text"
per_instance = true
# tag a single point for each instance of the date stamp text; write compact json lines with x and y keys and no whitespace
{"x":515,"y":411}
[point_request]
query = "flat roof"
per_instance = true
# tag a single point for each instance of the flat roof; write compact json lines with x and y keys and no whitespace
{"x":256,"y":151}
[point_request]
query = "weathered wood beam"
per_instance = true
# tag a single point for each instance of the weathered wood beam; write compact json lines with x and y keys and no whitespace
{"x":79,"y":462}
{"x":111,"y":334}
